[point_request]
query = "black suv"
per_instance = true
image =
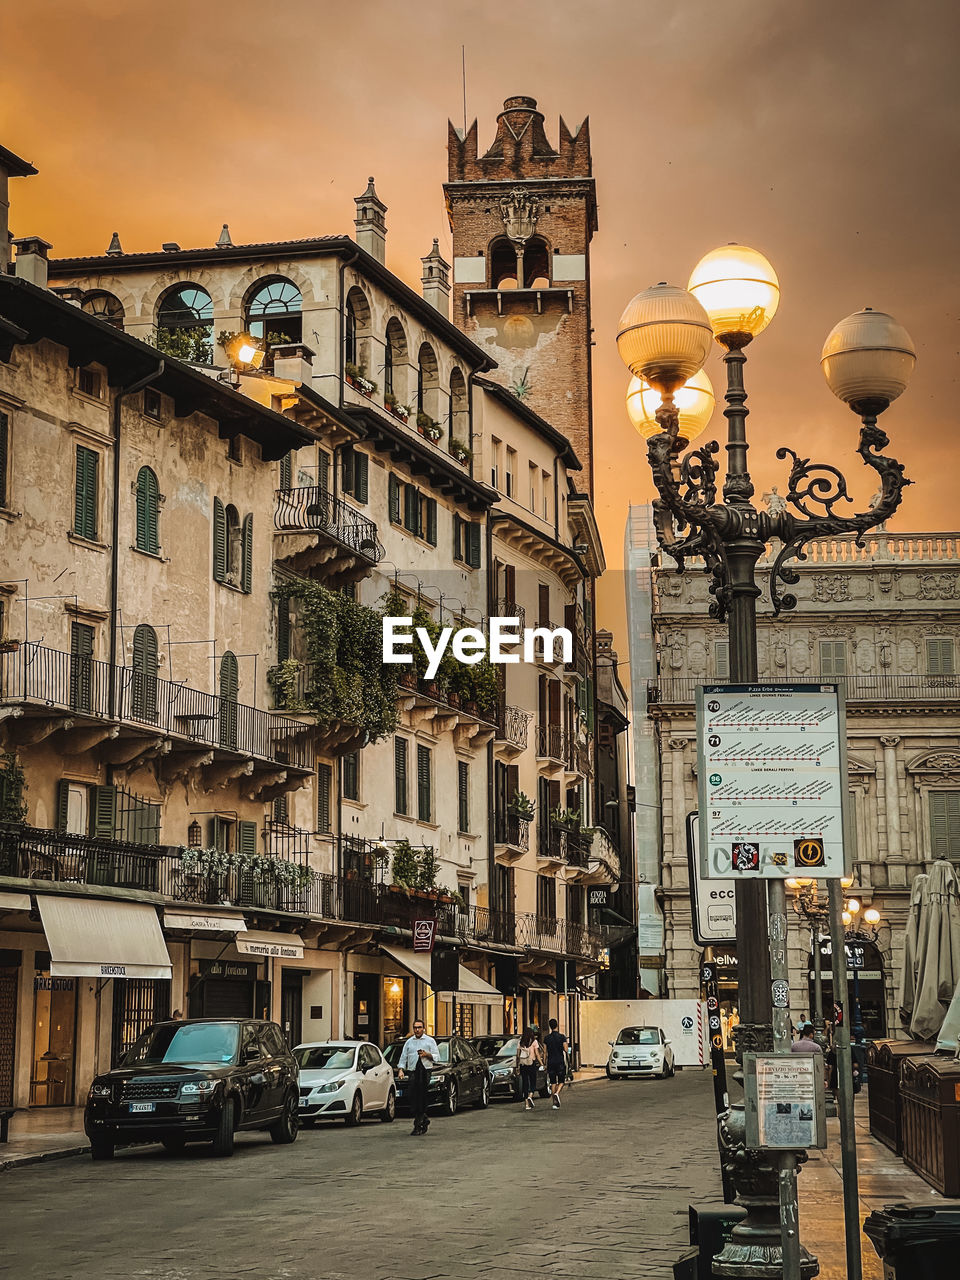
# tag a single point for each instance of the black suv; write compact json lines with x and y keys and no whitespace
{"x":196,"y":1081}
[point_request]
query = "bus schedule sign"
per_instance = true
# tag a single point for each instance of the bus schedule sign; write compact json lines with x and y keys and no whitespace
{"x":771,"y":781}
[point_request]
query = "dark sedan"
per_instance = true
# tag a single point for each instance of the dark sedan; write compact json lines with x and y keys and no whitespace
{"x":500,"y":1053}
{"x":461,"y":1075}
{"x":196,"y":1081}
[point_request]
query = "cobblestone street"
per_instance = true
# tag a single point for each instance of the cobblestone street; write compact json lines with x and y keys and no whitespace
{"x":598,"y":1191}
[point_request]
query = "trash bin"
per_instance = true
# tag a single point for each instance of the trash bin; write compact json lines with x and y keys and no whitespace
{"x":917,"y":1239}
{"x":930,"y":1106}
{"x":710,"y":1229}
{"x":885,"y":1059}
{"x":686,"y":1266}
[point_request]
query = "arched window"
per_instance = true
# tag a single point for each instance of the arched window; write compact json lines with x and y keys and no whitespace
{"x":185,"y":324}
{"x":232,"y":547}
{"x":503,"y":264}
{"x":148,"y":509}
{"x":229,"y":687}
{"x":357,"y":330}
{"x":428,"y":390}
{"x":536,"y":264}
{"x":274,"y":312}
{"x":459,"y":418}
{"x":394,"y":357}
{"x":234,"y":544}
{"x":104,"y":306}
{"x":144,"y":684}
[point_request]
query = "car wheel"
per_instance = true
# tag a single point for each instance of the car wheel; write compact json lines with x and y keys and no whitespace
{"x":223,"y":1142}
{"x":101,"y":1148}
{"x":673,"y":1069}
{"x":610,"y":1075}
{"x":451,"y":1101}
{"x":355,"y":1114}
{"x":174,"y":1144}
{"x":389,"y":1112}
{"x":284,"y":1131}
{"x":484,"y":1100}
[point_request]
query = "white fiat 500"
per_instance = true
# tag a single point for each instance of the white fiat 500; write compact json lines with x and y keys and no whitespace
{"x":639,"y":1051}
{"x":344,"y":1080}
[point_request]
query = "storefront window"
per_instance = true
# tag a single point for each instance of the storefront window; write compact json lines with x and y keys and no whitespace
{"x":394,"y":1009}
{"x":465,"y":1020}
{"x":54,"y":1037}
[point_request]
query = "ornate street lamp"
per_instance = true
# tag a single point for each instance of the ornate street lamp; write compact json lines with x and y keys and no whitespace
{"x":664,"y":337}
{"x":871,"y":918}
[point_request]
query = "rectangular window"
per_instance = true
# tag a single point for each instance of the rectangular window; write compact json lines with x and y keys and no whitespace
{"x":940,"y":657}
{"x":945,"y":824}
{"x":510,"y":472}
{"x":721,"y":659}
{"x":85,"y":498}
{"x":546,"y":898}
{"x":324,"y":778}
{"x":424,"y":793}
{"x":833,"y":657}
{"x":473,"y":545}
{"x":152,"y":403}
{"x":543,"y":605}
{"x":463,"y":795}
{"x":4,"y":451}
{"x":393,"y":498}
{"x":411,"y":509}
{"x":351,"y":776}
{"x":534,"y":483}
{"x":355,"y":474}
{"x":429,"y":520}
{"x":81,"y":667}
{"x":545,"y":476}
{"x":496,"y":449}
{"x":401,"y":801}
{"x":235,"y":448}
{"x":457,"y":537}
{"x":90,"y":382}
{"x":323,"y":471}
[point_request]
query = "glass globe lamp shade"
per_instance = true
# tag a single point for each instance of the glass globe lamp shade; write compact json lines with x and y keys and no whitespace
{"x":872,"y":915}
{"x":846,"y":917}
{"x":852,"y":905}
{"x":739,"y":291}
{"x":695,"y":402}
{"x":867,"y":360}
{"x":664,"y":336}
{"x":846,"y":881}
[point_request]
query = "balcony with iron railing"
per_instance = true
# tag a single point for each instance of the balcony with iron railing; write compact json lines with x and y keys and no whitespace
{"x":49,"y":684}
{"x":513,"y":728}
{"x":560,"y":843}
{"x":553,"y":743}
{"x":862,"y":689}
{"x":287,"y":886}
{"x":512,"y":832}
{"x":345,"y":542}
{"x":510,"y":609}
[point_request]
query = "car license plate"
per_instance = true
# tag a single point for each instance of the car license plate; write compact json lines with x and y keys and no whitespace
{"x":142,"y":1106}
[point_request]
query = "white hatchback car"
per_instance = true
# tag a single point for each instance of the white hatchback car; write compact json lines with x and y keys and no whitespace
{"x":344,"y":1080}
{"x":640,"y":1051}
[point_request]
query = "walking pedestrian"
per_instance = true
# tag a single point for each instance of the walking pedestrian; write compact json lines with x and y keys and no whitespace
{"x":556,"y":1046}
{"x":419,"y":1056}
{"x":805,"y":1043}
{"x":529,"y":1059}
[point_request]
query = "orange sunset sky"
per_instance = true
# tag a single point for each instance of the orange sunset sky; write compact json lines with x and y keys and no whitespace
{"x":824,"y":134}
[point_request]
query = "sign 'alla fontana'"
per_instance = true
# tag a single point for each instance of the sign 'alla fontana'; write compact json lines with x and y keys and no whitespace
{"x":470,"y":645}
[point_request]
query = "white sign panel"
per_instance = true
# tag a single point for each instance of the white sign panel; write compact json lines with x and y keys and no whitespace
{"x":783,"y":1096}
{"x":713,"y":901}
{"x":771,"y":780}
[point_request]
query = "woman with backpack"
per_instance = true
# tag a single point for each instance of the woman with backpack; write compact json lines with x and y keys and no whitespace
{"x":529,"y":1061}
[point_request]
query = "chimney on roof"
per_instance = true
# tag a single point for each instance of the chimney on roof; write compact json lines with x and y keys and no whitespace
{"x":115,"y":246}
{"x":436,"y":280}
{"x":11,"y":166}
{"x":225,"y":242}
{"x":32,"y":259}
{"x":371,"y":224}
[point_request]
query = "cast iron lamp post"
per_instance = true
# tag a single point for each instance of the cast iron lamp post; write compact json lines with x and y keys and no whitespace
{"x":871,"y":917}
{"x":664,"y":338}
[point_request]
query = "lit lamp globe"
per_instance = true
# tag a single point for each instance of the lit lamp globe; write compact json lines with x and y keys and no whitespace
{"x":739,"y":291}
{"x":867,"y":360}
{"x":664,"y":337}
{"x":695,"y":403}
{"x":872,"y":915}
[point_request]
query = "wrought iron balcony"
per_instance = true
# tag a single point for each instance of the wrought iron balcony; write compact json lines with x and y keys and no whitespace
{"x":552,"y":743}
{"x":513,"y":725}
{"x":43,"y":680}
{"x":512,"y":831}
{"x":313,"y":509}
{"x":510,"y":609}
{"x":563,"y":844}
{"x":902,"y":689}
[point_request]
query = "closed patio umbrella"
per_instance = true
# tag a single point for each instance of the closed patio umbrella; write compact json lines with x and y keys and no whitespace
{"x":938,"y":951}
{"x":906,"y":996}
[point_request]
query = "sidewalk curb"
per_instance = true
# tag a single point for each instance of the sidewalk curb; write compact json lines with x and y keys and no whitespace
{"x":16,"y":1162}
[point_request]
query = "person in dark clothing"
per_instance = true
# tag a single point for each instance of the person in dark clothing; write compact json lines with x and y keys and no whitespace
{"x":419,"y":1056}
{"x":529,"y":1057}
{"x":556,"y":1047}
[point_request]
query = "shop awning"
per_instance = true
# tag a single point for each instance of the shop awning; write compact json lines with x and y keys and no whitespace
{"x":260,"y":942}
{"x":471,"y":988}
{"x":537,"y":982}
{"x":90,"y":938}
{"x":14,"y":902}
{"x":204,"y":922}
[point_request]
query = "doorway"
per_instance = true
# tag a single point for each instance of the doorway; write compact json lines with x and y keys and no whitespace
{"x":366,"y":1006}
{"x":291,"y":1006}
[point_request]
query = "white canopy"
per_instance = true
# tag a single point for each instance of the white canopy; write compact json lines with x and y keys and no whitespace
{"x":93,"y":938}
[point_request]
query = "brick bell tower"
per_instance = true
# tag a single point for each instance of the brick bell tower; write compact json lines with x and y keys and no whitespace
{"x":522,"y":217}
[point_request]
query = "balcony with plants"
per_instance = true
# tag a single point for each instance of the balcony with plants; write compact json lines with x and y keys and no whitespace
{"x":317,"y":532}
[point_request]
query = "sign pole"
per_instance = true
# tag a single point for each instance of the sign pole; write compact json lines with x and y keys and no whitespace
{"x":841,"y":1042}
{"x":780,"y":998}
{"x":718,"y":1063}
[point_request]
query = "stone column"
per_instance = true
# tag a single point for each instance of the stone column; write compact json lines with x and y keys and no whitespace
{"x":891,"y":800}
{"x":678,"y":802}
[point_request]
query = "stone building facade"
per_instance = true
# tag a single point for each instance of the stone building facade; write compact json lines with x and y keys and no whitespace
{"x":884,"y":621}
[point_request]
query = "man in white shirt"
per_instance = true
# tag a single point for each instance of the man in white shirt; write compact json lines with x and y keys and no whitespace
{"x":419,"y":1055}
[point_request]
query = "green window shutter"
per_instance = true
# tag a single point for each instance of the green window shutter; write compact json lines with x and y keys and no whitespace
{"x":229,"y":683}
{"x":348,"y":469}
{"x":148,"y":501}
{"x":247,"y":838}
{"x":457,"y":537}
{"x":324,"y":778}
{"x":411,"y":509}
{"x":351,"y":775}
{"x":286,"y":471}
{"x":85,"y":503}
{"x":474,"y":553}
{"x":721,"y":659}
{"x":283,"y":629}
{"x":4,"y":450}
{"x":246,"y":554}
{"x":104,"y":812}
{"x":323,"y":470}
{"x":81,"y":667}
{"x":144,"y":684}
{"x":833,"y":657}
{"x":393,"y":494}
{"x":361,"y":477}
{"x":463,"y":795}
{"x":424,"y":798}
{"x":219,"y":541}
{"x":63,"y":802}
{"x":281,"y":810}
{"x":431,"y":531}
{"x":945,"y":824}
{"x":940,"y":656}
{"x":400,"y":774}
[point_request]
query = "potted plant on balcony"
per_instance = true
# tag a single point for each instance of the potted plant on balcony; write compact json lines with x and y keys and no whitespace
{"x":462,"y":452}
{"x":405,"y":870}
{"x":284,"y":680}
{"x":355,"y":374}
{"x":521,"y":806}
{"x":429,"y":427}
